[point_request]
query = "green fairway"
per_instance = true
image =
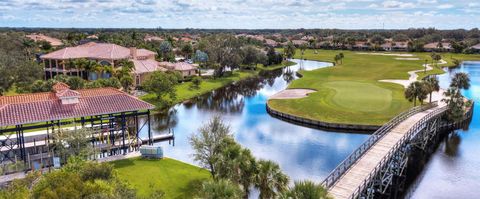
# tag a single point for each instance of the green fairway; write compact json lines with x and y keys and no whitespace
{"x":351,"y":95}
{"x":350,"y":92}
{"x":175,"y":178}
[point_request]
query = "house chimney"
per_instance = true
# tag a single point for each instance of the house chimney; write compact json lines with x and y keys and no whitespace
{"x":133,"y":52}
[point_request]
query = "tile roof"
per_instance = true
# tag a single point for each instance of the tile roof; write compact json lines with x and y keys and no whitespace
{"x":60,"y":86}
{"x":41,"y":37}
{"x":94,"y":50}
{"x":146,"y":66}
{"x":179,"y":66}
{"x":41,"y":107}
{"x":477,"y":47}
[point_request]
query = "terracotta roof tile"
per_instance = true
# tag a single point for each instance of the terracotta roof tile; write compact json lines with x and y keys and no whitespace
{"x":41,"y":107}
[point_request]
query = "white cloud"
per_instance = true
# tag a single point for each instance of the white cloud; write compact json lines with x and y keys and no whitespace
{"x":397,"y":4}
{"x":236,"y":13}
{"x":445,"y":6}
{"x":427,"y":1}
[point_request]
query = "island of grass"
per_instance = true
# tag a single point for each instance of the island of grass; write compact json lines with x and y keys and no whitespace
{"x":174,"y":178}
{"x":350,"y":92}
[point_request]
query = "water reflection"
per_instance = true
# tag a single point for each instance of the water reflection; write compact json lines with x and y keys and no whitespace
{"x":303,"y":153}
{"x":454,"y":169}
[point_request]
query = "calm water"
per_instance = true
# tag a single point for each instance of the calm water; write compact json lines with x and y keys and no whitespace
{"x":454,"y":169}
{"x":302,"y":153}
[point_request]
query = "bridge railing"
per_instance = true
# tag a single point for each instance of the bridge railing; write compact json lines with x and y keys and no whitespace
{"x":419,"y":125}
{"x":355,"y":155}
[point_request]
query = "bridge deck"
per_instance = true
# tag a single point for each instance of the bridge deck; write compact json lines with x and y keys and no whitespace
{"x":359,"y":171}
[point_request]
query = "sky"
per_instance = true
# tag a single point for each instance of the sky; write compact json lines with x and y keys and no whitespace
{"x":241,"y":14}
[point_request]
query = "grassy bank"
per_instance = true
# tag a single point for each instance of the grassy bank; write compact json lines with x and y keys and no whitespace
{"x":175,"y":178}
{"x":277,"y":66}
{"x":185,"y":91}
{"x":350,"y":92}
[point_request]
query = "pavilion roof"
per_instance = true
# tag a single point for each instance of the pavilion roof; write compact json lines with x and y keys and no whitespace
{"x":48,"y":106}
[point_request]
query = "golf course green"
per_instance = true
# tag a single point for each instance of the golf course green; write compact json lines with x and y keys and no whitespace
{"x":350,"y":93}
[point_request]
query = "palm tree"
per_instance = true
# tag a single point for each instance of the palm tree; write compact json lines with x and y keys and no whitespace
{"x":455,"y":103}
{"x":220,"y":189}
{"x":80,"y":66}
{"x":99,"y":70}
{"x":28,"y":45}
{"x":436,"y":57}
{"x":70,"y":65}
{"x":307,"y":190}
{"x":270,"y":180}
{"x":90,"y":66}
{"x":432,"y":85}
{"x":337,"y":58}
{"x":460,"y":81}
{"x":416,"y":91}
{"x":107,"y":69}
{"x":126,"y":82}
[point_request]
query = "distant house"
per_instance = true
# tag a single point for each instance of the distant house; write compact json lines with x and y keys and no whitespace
{"x":41,"y":37}
{"x":386,"y":46}
{"x":361,"y":45}
{"x":299,"y":42}
{"x":475,"y":48}
{"x":271,"y":42}
{"x":307,"y":38}
{"x":92,"y":37}
{"x":186,"y":39}
{"x":438,"y":47}
{"x":400,"y":46}
{"x":152,"y":38}
{"x":105,"y":54}
{"x":184,"y":68}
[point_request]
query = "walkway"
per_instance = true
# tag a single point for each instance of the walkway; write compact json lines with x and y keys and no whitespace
{"x":354,"y":177}
{"x":413,"y":75}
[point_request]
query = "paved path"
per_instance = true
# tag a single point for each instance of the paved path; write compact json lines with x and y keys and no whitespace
{"x":292,"y":94}
{"x":413,"y":76}
{"x":359,"y":171}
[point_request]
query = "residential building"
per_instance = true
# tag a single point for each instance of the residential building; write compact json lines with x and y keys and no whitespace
{"x":57,"y":62}
{"x":438,"y":46}
{"x":41,"y":37}
{"x":271,"y":42}
{"x":476,"y":48}
{"x":184,"y":68}
{"x":400,"y":46}
{"x":103,"y":111}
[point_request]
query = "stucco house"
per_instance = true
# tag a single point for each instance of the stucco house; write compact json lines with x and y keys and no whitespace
{"x":184,"y":68}
{"x":104,"y":54}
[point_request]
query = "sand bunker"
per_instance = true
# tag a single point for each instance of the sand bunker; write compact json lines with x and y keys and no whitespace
{"x":388,"y":54}
{"x":402,"y":58}
{"x":292,"y":94}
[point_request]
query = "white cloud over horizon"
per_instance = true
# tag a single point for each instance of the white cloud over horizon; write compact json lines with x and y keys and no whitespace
{"x":249,"y":14}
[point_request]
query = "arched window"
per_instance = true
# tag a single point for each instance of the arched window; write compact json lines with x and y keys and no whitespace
{"x":105,"y":63}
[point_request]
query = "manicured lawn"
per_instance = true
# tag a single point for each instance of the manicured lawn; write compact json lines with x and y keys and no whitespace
{"x":185,"y":90}
{"x":275,"y":67}
{"x":350,"y":92}
{"x":175,"y":178}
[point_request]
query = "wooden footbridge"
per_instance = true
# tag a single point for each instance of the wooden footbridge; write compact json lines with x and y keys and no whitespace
{"x":374,"y":169}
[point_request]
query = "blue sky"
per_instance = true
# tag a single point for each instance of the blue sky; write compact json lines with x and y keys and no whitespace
{"x":251,"y":14}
